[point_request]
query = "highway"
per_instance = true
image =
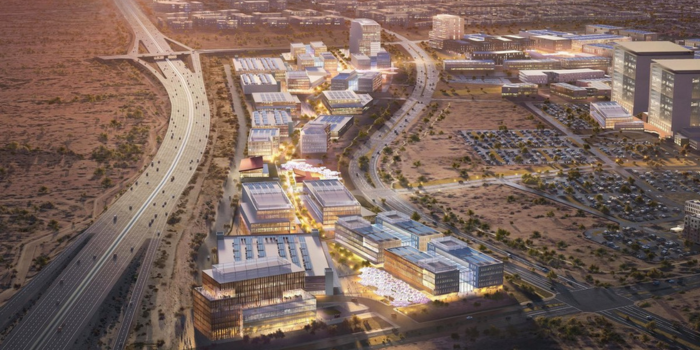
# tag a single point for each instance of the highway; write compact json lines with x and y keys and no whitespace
{"x":68,"y":304}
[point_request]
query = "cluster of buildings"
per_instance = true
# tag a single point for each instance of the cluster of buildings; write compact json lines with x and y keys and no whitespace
{"x":253,"y":13}
{"x":419,"y":255}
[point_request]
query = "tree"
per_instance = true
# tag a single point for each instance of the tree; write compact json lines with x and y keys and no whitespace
{"x":551,"y":275}
{"x":651,"y":326}
{"x":415,"y":216}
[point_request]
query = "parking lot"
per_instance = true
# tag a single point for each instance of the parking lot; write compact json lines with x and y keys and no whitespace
{"x":642,"y":244}
{"x":672,"y":181}
{"x":611,"y":194}
{"x":569,"y":114}
{"x":510,"y":147}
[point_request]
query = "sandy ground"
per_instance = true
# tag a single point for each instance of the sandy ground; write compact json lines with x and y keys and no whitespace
{"x":59,"y":105}
{"x":437,"y":152}
{"x":510,"y":209}
{"x":684,"y":308}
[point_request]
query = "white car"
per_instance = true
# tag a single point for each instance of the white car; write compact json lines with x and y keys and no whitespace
{"x":469,"y":317}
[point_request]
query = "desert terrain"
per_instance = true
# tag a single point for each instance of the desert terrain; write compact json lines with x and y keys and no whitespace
{"x":548,"y":232}
{"x":74,"y":130}
{"x":439,"y":146}
{"x":683,"y":308}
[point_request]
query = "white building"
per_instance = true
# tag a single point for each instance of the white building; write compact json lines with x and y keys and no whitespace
{"x":273,"y":119}
{"x":559,"y":76}
{"x":263,"y":142}
{"x":365,"y":37}
{"x":607,"y":114}
{"x":274,"y":66}
{"x":314,"y":138}
{"x":260,"y":82}
{"x":361,"y":61}
{"x":445,"y":27}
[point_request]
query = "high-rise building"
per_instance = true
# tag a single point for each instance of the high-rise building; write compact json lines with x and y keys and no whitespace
{"x":674,"y":96}
{"x":445,"y":27}
{"x":632,"y":67}
{"x":365,"y":37}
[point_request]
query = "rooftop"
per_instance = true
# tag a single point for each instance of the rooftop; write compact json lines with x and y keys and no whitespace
{"x":680,"y":65}
{"x":262,"y":135}
{"x":257,"y":256}
{"x":652,"y":47}
{"x":403,"y":222}
{"x":610,"y":109}
{"x":270,"y":117}
{"x":250,"y":269}
{"x":424,"y":260}
{"x":252,"y":163}
{"x":267,"y":195}
{"x":272,"y":97}
{"x":461,"y":251}
{"x":341,"y":95}
{"x":551,"y":37}
{"x":365,"y":21}
{"x":330,"y":193}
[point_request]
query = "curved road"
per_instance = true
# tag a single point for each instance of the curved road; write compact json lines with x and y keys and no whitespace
{"x":69,"y":303}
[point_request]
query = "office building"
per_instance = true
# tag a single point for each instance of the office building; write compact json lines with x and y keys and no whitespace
{"x":345,"y":80}
{"x":578,"y":41}
{"x":549,"y":43}
{"x":274,"y":66}
{"x":265,"y":209}
{"x":603,"y":50}
{"x":296,"y":49}
{"x":305,"y":60}
{"x":260,"y":82}
{"x":383,"y":59}
{"x":567,"y":90}
{"x":400,"y":222}
{"x":541,"y":77}
{"x":253,"y":167}
{"x":328,"y":200}
{"x":273,"y":119}
{"x":317,"y":48}
{"x":600,"y":28}
{"x":607,"y":114}
{"x":674,"y":97}
{"x":343,"y":102}
{"x":422,"y":271}
{"x":330,"y":63}
{"x":638,"y":35}
{"x":691,"y":228}
{"x":518,"y":90}
{"x":598,"y":88}
{"x":277,"y":100}
{"x":535,"y":64}
{"x":261,"y":284}
{"x":366,"y":240}
{"x":264,"y":143}
{"x":632,"y":68}
{"x":445,"y":27}
{"x":498,"y":56}
{"x":468,"y":66}
{"x":365,"y":37}
{"x":298,"y":82}
{"x":369,"y":81}
{"x":592,"y":62}
{"x":477,"y":270}
{"x":339,"y":124}
{"x":314,"y":138}
{"x":692,"y":207}
{"x":360,"y":61}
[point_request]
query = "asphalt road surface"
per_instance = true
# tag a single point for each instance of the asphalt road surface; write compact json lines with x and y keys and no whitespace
{"x":66,"y":306}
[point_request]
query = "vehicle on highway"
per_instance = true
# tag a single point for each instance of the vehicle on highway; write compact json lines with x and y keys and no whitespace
{"x":656,"y":283}
{"x":115,"y":256}
{"x":469,"y":317}
{"x":115,"y":218}
{"x":649,"y":318}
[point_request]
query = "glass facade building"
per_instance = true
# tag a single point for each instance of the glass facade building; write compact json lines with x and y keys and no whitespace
{"x":265,"y":209}
{"x":365,"y":37}
{"x":422,"y":271}
{"x":327,"y":200}
{"x":674,"y":97}
{"x":479,"y":270}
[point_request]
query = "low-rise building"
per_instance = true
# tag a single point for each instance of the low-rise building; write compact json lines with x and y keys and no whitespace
{"x":273,"y":119}
{"x":258,"y":82}
{"x":468,"y":66}
{"x":603,"y":50}
{"x":477,"y":270}
{"x":296,"y":49}
{"x":345,"y":80}
{"x":344,"y":102}
{"x":518,"y":89}
{"x":253,"y":167}
{"x":638,"y":35}
{"x":277,"y":100}
{"x":578,"y":41}
{"x":361,"y":61}
{"x":298,"y":82}
{"x":366,"y":240}
{"x":314,"y":138}
{"x":383,"y":59}
{"x":330,"y":63}
{"x":264,"y":143}
{"x":317,"y":48}
{"x":498,"y":56}
{"x":692,"y":207}
{"x":550,"y":43}
{"x":265,"y":209}
{"x":559,"y":76}
{"x":369,"y":81}
{"x":274,"y":66}
{"x":422,"y":271}
{"x":339,"y":124}
{"x":571,"y":91}
{"x":400,"y":222}
{"x":592,"y":62}
{"x":328,"y":200}
{"x":608,"y":114}
{"x":600,"y":28}
{"x":305,"y":60}
{"x":535,"y":64}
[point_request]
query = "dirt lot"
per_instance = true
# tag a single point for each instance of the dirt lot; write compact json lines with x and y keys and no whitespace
{"x":440,"y":146}
{"x":559,"y":228}
{"x":684,"y":308}
{"x":74,"y":130}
